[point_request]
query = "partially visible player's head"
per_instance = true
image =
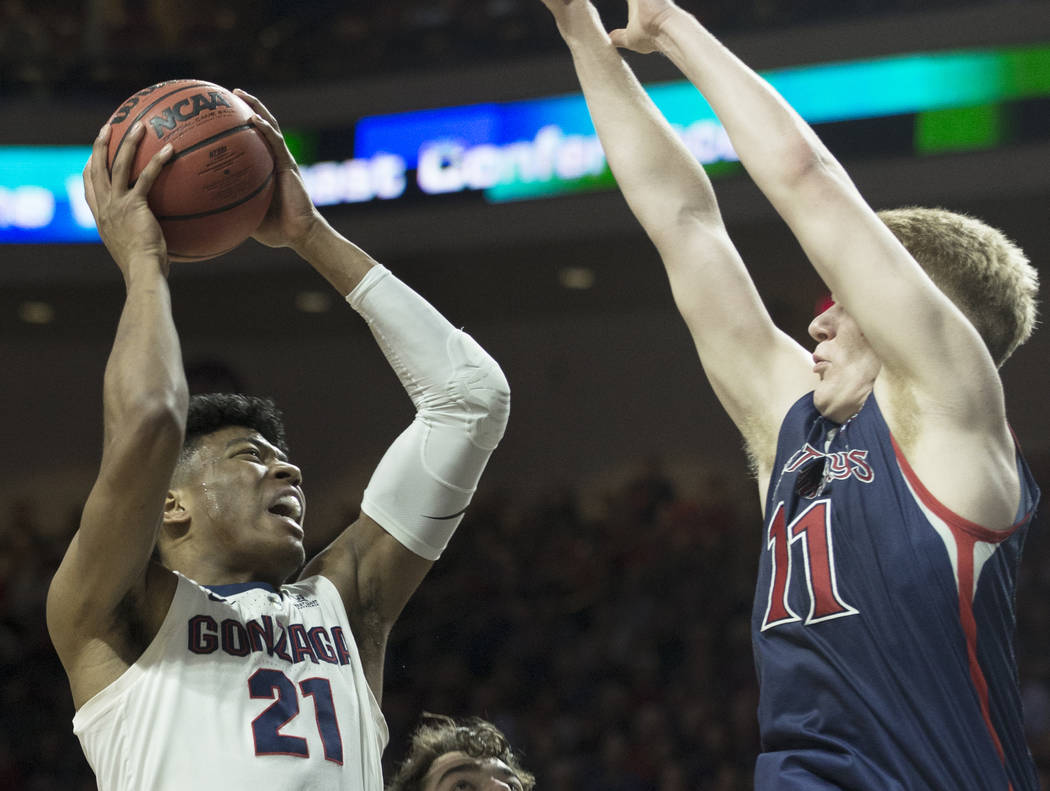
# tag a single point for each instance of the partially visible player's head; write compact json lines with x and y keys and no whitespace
{"x":235,"y":504}
{"x":986,"y":275}
{"x":210,"y":412}
{"x":446,"y":754}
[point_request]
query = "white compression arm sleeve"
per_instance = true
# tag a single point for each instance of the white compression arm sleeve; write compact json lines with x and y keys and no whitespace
{"x":424,"y":482}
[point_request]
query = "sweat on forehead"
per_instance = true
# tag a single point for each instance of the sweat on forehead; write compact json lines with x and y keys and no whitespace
{"x":211,"y":446}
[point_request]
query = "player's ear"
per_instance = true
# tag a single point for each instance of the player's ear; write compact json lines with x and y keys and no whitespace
{"x":175,"y":511}
{"x":175,"y":524}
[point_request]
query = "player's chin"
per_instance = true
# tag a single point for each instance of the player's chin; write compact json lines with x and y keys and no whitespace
{"x":823,"y":399}
{"x":835,"y":406}
{"x":287,"y":544}
{"x":293,"y":544}
{"x":291,"y":559}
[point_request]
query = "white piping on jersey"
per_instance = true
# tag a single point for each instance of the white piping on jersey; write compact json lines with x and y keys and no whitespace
{"x":982,"y":550}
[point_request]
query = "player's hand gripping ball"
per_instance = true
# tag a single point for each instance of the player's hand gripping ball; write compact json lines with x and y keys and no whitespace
{"x":215,"y":188}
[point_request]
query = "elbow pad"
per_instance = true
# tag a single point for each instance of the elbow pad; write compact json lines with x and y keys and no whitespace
{"x":425,"y":481}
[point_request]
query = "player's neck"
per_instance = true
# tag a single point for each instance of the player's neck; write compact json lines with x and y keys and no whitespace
{"x":209,"y":572}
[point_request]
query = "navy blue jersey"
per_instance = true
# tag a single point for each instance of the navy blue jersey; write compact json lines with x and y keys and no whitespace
{"x":883,"y":623}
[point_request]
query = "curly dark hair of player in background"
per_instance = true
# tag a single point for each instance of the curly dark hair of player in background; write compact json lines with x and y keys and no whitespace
{"x":438,"y":735}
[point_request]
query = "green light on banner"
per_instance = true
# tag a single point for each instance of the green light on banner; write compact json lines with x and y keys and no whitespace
{"x":303,"y":145}
{"x":1027,"y":70}
{"x":524,"y":190}
{"x":960,"y":129}
{"x":718,"y":169}
{"x":913,"y":83}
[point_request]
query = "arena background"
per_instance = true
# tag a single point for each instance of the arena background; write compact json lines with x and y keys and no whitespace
{"x":595,"y":601}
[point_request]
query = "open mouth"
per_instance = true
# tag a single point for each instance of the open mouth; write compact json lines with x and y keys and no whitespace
{"x":288,"y":506}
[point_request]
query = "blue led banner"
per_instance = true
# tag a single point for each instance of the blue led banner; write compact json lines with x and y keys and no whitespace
{"x":547,"y":146}
{"x":42,"y":195}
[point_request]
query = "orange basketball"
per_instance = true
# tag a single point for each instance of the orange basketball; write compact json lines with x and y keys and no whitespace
{"x":215,"y":188}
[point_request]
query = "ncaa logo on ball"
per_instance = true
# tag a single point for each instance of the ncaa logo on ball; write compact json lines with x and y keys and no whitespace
{"x":185,"y":110}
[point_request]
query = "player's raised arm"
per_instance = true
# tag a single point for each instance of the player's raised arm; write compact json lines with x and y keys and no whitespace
{"x":937,"y":382}
{"x":422,"y":486}
{"x":869,"y":272}
{"x":144,"y":396}
{"x":756,"y":370}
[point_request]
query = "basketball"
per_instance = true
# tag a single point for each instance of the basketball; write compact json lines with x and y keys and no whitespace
{"x":215,"y":188}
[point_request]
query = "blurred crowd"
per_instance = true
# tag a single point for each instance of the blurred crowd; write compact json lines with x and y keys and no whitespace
{"x":611,"y":643}
{"x":63,"y":48}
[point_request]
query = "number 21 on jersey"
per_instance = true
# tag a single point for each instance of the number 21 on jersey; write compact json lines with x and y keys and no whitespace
{"x":813,"y":529}
{"x":266,"y":728}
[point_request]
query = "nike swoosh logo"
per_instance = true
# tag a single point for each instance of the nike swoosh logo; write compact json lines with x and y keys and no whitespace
{"x":450,"y":516}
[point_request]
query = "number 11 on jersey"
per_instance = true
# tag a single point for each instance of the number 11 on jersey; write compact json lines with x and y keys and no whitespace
{"x":813,"y":528}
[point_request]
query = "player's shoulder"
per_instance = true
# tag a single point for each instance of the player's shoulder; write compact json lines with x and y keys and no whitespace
{"x":970,"y":468}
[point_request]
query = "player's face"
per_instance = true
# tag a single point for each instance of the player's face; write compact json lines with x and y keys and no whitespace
{"x":246,"y":504}
{"x":457,"y":771}
{"x":844,"y":361}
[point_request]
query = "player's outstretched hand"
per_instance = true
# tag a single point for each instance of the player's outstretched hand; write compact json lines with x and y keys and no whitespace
{"x":127,"y":226}
{"x":291,"y":215}
{"x":644,"y":18}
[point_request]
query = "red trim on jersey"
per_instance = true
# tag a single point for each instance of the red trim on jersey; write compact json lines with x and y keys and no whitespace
{"x":966,"y":534}
{"x":953,"y":520}
{"x":965,"y":545}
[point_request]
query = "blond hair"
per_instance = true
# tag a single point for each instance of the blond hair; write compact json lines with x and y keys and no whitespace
{"x":978,"y":268}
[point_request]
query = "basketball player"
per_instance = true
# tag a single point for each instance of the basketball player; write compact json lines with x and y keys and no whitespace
{"x":895,"y":498}
{"x":193,"y":661}
{"x":449,"y":755}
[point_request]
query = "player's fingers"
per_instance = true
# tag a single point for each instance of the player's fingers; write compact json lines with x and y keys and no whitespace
{"x":95,"y":175}
{"x":281,"y":155}
{"x":267,"y":124}
{"x":121,"y":171}
{"x":152,"y":170}
{"x":259,"y":107}
{"x":89,"y":187}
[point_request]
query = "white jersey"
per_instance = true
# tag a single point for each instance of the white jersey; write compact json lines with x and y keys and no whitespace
{"x":243,"y":687}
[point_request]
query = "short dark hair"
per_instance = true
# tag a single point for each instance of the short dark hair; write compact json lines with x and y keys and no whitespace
{"x":210,"y":412}
{"x":438,"y":735}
